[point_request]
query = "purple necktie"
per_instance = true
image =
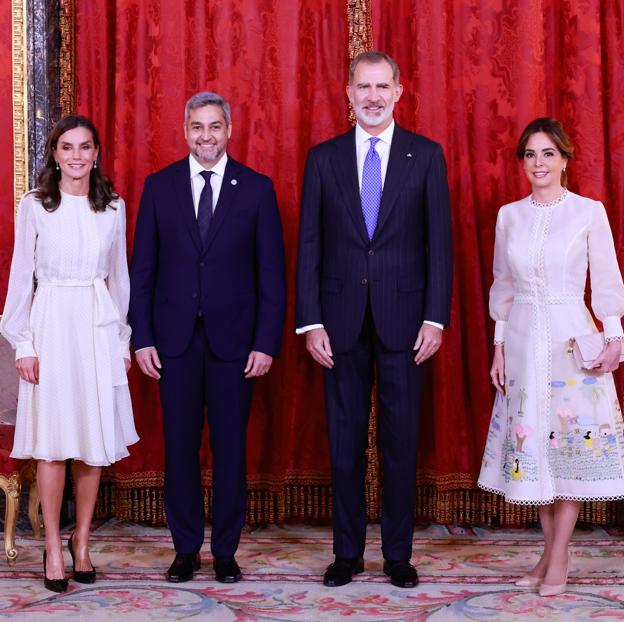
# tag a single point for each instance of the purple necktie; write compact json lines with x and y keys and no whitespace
{"x":204,"y":208}
{"x":371,"y":188}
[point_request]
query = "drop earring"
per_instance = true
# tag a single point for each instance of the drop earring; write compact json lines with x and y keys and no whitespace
{"x":58,"y":168}
{"x":94,"y":163}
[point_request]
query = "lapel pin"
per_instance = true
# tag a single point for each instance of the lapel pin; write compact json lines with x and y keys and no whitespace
{"x":409,"y":155}
{"x":234,"y":182}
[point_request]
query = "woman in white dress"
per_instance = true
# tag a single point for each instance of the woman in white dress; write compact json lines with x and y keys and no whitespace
{"x":556,"y":434}
{"x":65,"y":315}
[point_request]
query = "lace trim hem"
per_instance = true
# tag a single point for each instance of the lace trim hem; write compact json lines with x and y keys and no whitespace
{"x":548,"y":501}
{"x":616,"y":338}
{"x":498,"y":342}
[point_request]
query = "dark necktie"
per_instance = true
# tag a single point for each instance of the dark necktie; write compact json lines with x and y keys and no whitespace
{"x":371,"y":187}
{"x":204,"y":209}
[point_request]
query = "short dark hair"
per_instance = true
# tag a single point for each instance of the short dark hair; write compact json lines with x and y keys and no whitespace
{"x":207,"y":98}
{"x":373,"y":57}
{"x":555,"y":131}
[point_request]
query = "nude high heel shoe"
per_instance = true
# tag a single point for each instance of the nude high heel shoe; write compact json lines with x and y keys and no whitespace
{"x":546,"y":589}
{"x":529,"y":581}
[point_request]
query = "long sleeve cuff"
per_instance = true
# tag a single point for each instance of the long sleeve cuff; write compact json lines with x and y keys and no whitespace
{"x":124,"y":346}
{"x":23,"y":349}
{"x":612,"y":327}
{"x":308,"y":328}
{"x":436,"y":324}
{"x":499,"y":332}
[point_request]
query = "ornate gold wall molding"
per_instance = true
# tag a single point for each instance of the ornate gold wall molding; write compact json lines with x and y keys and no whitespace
{"x":360,"y":27}
{"x":359,"y":19}
{"x":67,"y":26}
{"x":20,"y":102}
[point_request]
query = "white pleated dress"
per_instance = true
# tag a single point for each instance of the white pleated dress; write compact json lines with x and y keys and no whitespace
{"x":557,"y":432}
{"x":75,"y":323}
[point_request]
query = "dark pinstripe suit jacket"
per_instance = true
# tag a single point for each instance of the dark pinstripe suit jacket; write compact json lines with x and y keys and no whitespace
{"x":406,"y":269}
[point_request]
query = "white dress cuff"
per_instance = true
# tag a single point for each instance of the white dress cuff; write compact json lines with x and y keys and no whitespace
{"x":308,"y":328}
{"x":499,"y":332}
{"x":23,"y":349}
{"x":436,"y":324}
{"x":612,"y":327}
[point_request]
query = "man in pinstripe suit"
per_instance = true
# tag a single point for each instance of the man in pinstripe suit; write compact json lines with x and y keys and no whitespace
{"x":374,"y":283}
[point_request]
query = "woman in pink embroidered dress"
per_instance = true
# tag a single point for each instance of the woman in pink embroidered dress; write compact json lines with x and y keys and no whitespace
{"x":545,"y":243}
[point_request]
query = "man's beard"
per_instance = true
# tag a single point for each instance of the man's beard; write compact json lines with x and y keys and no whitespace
{"x":208,"y":159}
{"x":371,"y":119}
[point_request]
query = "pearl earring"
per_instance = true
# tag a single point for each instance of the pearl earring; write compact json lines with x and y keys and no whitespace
{"x":58,"y":168}
{"x":94,"y":163}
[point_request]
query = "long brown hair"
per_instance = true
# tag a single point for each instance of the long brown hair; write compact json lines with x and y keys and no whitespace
{"x":101,"y":191}
{"x":554,"y":130}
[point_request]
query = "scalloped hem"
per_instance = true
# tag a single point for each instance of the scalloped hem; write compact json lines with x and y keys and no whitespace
{"x":547,"y":501}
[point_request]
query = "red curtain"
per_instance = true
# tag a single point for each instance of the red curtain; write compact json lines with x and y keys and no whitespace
{"x":475,"y":73}
{"x":282,"y":67}
{"x":6,"y":138}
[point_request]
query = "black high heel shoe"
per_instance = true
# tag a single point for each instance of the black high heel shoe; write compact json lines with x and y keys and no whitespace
{"x":54,"y":585}
{"x":82,"y":576}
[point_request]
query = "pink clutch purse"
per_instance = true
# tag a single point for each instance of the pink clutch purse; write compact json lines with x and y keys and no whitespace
{"x":587,"y":348}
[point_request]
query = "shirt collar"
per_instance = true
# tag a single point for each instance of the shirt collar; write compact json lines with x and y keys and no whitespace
{"x":218,"y":168}
{"x":361,"y":135}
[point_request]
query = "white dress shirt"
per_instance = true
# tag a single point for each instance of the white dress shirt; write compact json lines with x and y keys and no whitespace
{"x":362,"y":146}
{"x":197,"y":181}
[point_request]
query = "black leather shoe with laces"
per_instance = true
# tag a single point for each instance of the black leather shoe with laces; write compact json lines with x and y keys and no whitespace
{"x":227,"y":570}
{"x":401,"y":573}
{"x":341,"y":571}
{"x":183,"y":567}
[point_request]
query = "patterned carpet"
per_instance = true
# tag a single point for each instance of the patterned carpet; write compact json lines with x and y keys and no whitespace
{"x":466,"y":574}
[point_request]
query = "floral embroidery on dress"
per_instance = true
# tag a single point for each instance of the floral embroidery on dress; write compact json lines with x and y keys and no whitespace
{"x":557,"y":432}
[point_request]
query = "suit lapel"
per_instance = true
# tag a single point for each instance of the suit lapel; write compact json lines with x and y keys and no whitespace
{"x":399,"y":164}
{"x":345,"y":167}
{"x":182,"y":183}
{"x":229,"y":189}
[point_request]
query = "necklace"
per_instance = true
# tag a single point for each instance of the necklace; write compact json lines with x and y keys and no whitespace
{"x":562,"y":197}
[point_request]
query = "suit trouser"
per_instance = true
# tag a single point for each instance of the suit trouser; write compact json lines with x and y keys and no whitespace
{"x":188,"y":382}
{"x":347,"y":398}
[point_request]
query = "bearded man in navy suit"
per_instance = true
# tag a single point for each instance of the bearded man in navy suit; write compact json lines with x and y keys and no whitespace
{"x":374,"y":283}
{"x":207,"y":305}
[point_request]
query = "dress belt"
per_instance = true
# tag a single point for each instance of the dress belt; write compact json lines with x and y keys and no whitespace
{"x":563,"y":299}
{"x":109,"y":367}
{"x":105,"y":311}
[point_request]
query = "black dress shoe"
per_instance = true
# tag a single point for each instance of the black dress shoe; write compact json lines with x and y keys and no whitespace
{"x":401,"y":573}
{"x":226,"y":570}
{"x":342,"y":570}
{"x":54,"y":585}
{"x":183,"y":567}
{"x":82,"y":576}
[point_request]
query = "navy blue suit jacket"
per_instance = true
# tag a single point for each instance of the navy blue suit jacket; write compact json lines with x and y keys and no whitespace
{"x":406,"y":269}
{"x":236,"y":280}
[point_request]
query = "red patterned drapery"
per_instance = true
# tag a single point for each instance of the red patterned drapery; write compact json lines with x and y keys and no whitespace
{"x":474,"y":72}
{"x":282,"y":67}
